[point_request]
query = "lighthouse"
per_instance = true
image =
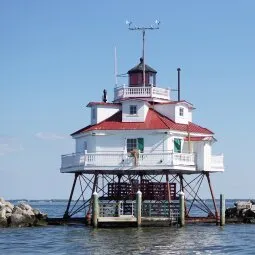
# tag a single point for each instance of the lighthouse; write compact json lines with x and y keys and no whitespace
{"x":143,"y":140}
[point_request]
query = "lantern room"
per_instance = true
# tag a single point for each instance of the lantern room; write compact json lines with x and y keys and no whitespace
{"x":136,"y":75}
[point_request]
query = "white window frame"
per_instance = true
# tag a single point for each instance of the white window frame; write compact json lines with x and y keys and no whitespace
{"x":133,"y":109}
{"x":129,"y":141}
{"x":181,"y":111}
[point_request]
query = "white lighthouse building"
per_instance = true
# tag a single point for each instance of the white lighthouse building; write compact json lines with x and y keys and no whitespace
{"x":142,"y":120}
{"x":142,"y":140}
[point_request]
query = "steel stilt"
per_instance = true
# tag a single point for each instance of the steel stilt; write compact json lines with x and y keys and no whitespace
{"x":66,"y":215}
{"x":214,"y":203}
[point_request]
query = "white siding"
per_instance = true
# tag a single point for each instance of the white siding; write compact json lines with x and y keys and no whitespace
{"x":181,"y":119}
{"x":102,"y":112}
{"x":190,"y":115}
{"x":172,"y":111}
{"x":203,"y":151}
{"x":115,"y":141}
{"x":167,"y":110}
{"x":89,"y":139}
{"x":142,"y":109}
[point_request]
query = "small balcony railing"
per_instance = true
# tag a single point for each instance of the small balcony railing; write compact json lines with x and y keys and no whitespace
{"x":148,"y":91}
{"x":217,"y":162}
{"x":116,"y":159}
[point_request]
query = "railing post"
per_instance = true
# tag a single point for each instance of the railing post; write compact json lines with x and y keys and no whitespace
{"x":139,"y":208}
{"x":222,"y":210}
{"x":95,"y":209}
{"x":124,"y":157}
{"x":182,"y":209}
{"x":85,"y":157}
{"x":124,"y":91}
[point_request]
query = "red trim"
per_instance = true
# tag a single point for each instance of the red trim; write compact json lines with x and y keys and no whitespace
{"x":154,"y":121}
{"x":195,"y":138}
{"x":101,"y":103}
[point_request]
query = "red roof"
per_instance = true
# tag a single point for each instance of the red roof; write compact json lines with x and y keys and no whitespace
{"x":154,"y":120}
{"x":178,"y":102}
{"x":101,"y":103}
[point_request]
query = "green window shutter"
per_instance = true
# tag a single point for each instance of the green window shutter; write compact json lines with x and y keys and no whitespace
{"x":140,"y":144}
{"x":177,"y":145}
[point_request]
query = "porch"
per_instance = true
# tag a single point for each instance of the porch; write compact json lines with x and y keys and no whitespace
{"x":140,"y":161}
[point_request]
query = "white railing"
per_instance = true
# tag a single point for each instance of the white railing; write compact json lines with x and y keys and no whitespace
{"x":129,"y":92}
{"x":217,"y":162}
{"x":111,"y":209}
{"x":153,"y":209}
{"x":183,"y":159}
{"x":114,"y":159}
{"x":74,"y":159}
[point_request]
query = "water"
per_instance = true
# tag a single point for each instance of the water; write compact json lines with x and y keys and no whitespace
{"x":77,"y":239}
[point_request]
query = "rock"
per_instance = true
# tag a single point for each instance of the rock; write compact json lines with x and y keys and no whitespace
{"x":19,"y":220}
{"x":231,"y":212}
{"x":243,"y":205}
{"x":9,"y":205}
{"x":21,"y":215}
{"x":249,"y":213}
{"x":3,"y":213}
{"x":3,"y":222}
{"x":8,"y":210}
{"x":253,"y":207}
{"x":36,"y":212}
{"x":24,"y":206}
{"x":243,"y":210}
{"x":2,"y":205}
{"x":28,"y":213}
{"x":8,"y":214}
{"x":17,"y":210}
{"x":39,"y":215}
{"x":3,"y":219}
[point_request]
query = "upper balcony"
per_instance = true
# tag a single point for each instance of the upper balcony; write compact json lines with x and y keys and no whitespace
{"x":117,"y":161}
{"x":123,"y":92}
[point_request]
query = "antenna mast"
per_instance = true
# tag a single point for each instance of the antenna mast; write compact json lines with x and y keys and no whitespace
{"x":143,"y":29}
{"x":115,"y":67}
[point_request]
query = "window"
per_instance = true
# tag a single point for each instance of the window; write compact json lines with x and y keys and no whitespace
{"x":131,"y":144}
{"x":177,"y":145}
{"x":132,"y":109}
{"x":181,"y":111}
{"x":135,"y":143}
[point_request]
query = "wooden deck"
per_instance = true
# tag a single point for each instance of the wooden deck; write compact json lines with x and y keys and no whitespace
{"x":124,"y":218}
{"x":130,"y":221}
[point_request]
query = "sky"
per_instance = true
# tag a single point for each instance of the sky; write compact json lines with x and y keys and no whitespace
{"x":56,"y":56}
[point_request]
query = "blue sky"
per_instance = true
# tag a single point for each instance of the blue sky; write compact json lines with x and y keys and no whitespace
{"x":56,"y":56}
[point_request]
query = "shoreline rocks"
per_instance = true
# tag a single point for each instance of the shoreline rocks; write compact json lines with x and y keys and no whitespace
{"x":243,"y":210}
{"x":21,"y":215}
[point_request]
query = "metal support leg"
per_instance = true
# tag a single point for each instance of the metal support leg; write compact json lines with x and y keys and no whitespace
{"x":66,"y":215}
{"x":169,"y":197}
{"x":214,"y":203}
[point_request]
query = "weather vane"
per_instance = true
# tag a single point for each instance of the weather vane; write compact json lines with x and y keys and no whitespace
{"x":131,"y":26}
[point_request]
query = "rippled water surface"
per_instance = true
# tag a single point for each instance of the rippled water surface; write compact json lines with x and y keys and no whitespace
{"x":192,"y":239}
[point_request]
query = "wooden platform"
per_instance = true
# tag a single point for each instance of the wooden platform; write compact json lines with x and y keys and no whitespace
{"x":130,"y":221}
{"x":117,"y":219}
